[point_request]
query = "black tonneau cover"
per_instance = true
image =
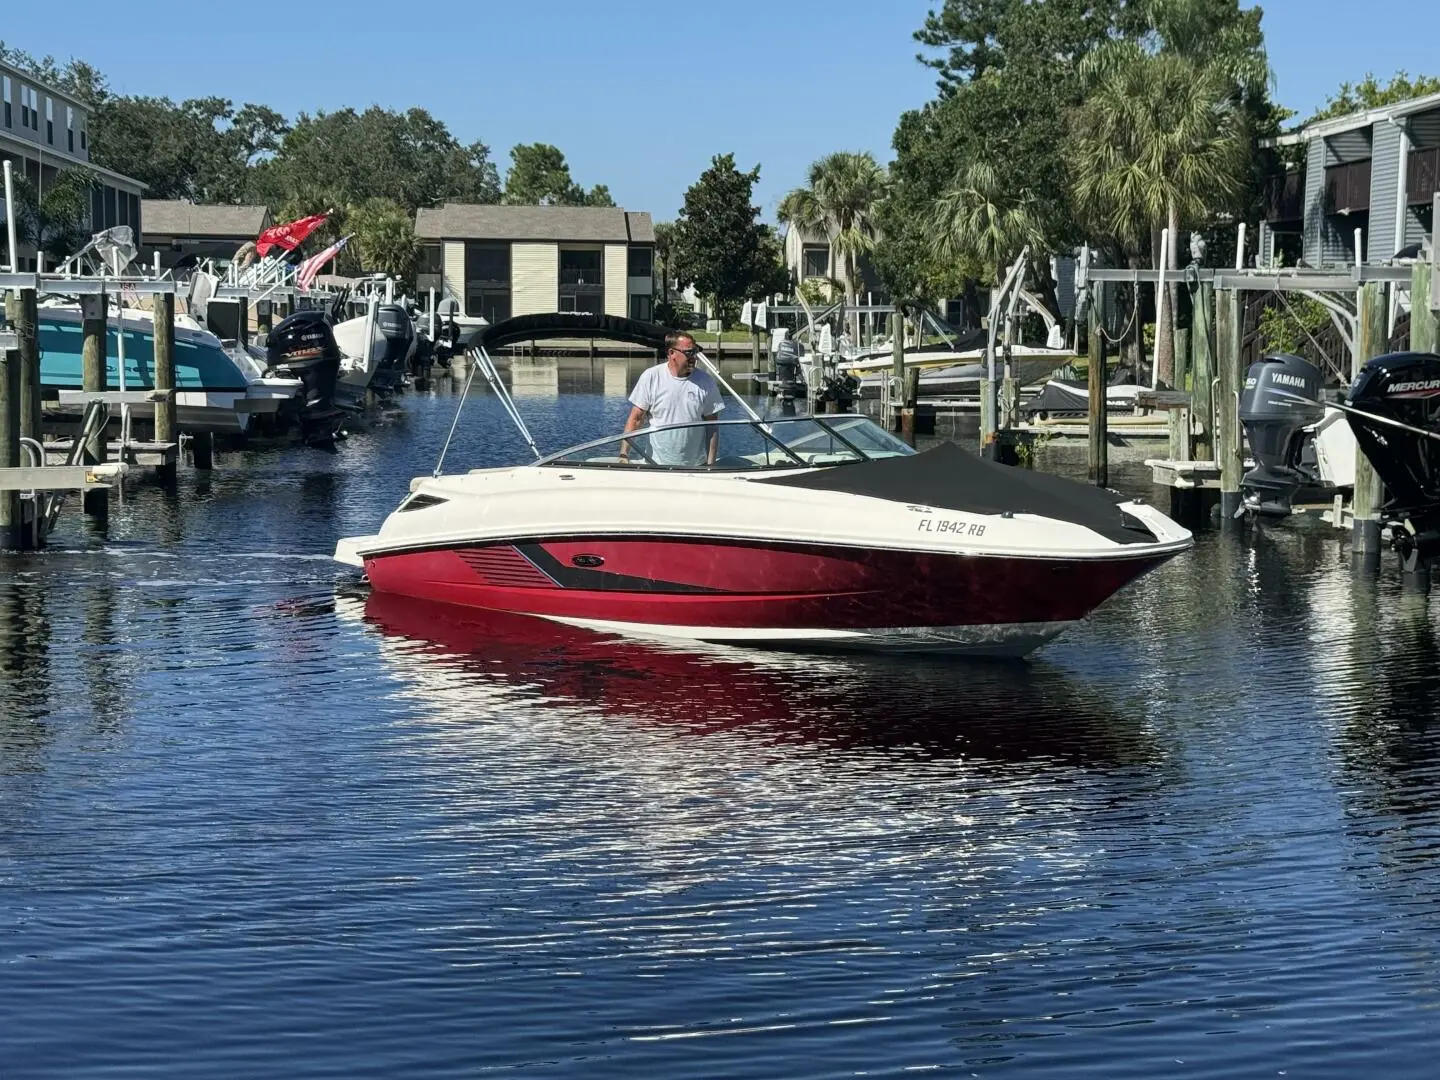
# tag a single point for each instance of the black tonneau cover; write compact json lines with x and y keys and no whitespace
{"x":949,"y":478}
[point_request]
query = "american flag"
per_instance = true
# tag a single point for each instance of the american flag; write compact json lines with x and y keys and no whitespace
{"x":311,"y":266}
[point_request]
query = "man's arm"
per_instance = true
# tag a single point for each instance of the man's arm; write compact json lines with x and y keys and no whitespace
{"x":714,"y":446}
{"x":636,"y":419}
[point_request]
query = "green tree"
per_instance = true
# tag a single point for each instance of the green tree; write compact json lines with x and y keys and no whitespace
{"x":1370,"y":93}
{"x":407,"y":157}
{"x":540,"y":176}
{"x":720,"y":246}
{"x":202,"y":150}
{"x":842,"y":197}
{"x":665,"y":252}
{"x":981,"y":223}
{"x":384,"y":238}
{"x":57,"y":220}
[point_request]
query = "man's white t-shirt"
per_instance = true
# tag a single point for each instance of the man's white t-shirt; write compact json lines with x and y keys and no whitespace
{"x":669,"y":400}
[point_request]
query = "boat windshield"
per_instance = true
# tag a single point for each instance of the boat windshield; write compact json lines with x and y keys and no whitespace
{"x":739,"y":445}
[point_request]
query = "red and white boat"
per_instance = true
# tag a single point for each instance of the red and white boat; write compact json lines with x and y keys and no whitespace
{"x":816,"y":532}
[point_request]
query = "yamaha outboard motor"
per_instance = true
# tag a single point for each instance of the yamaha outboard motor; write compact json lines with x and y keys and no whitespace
{"x":303,"y":347}
{"x":399,"y":333}
{"x":1279,"y":402}
{"x":1395,"y":414}
{"x":789,"y":382}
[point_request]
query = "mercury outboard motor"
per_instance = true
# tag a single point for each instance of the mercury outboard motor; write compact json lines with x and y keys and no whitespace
{"x":303,"y":347}
{"x":1280,"y":400}
{"x":789,"y":382}
{"x":399,"y":333}
{"x":1395,"y":414}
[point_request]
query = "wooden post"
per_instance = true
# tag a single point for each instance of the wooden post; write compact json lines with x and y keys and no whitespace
{"x":202,"y":450}
{"x":1202,"y":343}
{"x":1370,"y":341}
{"x":10,"y":523}
{"x":1182,"y":356}
{"x":1179,"y":419}
{"x":1227,"y":426}
{"x":93,"y":375}
{"x":22,"y":315}
{"x":1099,"y":418}
{"x":1422,"y":318}
{"x":165,"y":411}
{"x":264,"y":318}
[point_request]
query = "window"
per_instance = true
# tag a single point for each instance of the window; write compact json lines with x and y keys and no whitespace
{"x":487,"y":262}
{"x":581,"y":268}
{"x":641,"y":262}
{"x":83,"y":145}
{"x":642,"y":308}
{"x":50,"y":120}
{"x":815,"y":261}
{"x":111,"y":212}
{"x":70,"y":127}
{"x":432,"y":259}
{"x":5,"y":86}
{"x":493,"y":305}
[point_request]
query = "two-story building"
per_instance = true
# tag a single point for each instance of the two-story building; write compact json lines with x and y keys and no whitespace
{"x":1376,"y":170}
{"x":502,"y":261}
{"x":44,"y":130}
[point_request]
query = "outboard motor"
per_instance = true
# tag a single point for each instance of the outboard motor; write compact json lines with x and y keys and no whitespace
{"x":1395,"y":414}
{"x":399,"y":333}
{"x":303,"y":347}
{"x":1280,"y":400}
{"x":789,"y":382}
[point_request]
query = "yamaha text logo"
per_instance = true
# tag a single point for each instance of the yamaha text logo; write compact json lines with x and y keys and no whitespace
{"x":1287,"y":380}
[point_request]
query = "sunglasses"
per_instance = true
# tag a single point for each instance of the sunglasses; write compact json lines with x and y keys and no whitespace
{"x":690,"y":352}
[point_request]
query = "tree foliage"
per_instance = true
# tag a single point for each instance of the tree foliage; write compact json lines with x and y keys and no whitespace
{"x":57,"y":220}
{"x":1370,"y":93}
{"x":384,"y":238}
{"x":842,"y":197}
{"x":407,"y":157}
{"x":540,"y":176}
{"x":719,"y":244}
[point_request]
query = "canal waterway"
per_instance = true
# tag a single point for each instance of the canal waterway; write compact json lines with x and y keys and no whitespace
{"x":254,"y":824}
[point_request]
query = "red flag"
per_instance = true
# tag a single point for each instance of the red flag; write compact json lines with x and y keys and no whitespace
{"x":288,"y":236}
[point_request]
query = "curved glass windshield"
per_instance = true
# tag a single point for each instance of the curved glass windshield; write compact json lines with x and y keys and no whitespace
{"x":801,"y":442}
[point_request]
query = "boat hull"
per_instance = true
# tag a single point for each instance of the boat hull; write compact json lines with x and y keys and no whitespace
{"x":771,"y":594}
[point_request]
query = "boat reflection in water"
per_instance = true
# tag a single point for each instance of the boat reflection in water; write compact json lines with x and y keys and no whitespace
{"x":914,"y":706}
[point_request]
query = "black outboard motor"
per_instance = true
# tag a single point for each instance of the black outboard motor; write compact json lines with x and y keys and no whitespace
{"x":303,"y":347}
{"x":789,"y":382}
{"x":1396,"y":421}
{"x":1279,"y":402}
{"x":399,"y":333}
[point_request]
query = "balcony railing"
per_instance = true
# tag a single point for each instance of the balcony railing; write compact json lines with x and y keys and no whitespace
{"x":1347,"y":187}
{"x":1285,"y":198}
{"x":1422,"y":176}
{"x":571,"y":276}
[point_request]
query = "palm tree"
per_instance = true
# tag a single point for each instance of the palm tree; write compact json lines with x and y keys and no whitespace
{"x":56,"y":222}
{"x":1159,"y":141}
{"x":979,"y":223}
{"x":842,"y":196}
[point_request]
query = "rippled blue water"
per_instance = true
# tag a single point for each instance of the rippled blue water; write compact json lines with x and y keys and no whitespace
{"x":251,"y":825}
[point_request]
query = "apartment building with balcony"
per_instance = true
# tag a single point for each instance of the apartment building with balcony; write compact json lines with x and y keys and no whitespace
{"x":1376,"y":170}
{"x":502,"y":261}
{"x":44,"y":130}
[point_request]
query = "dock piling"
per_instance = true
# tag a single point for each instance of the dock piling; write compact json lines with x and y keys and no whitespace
{"x":11,"y":530}
{"x":1370,"y":341}
{"x":1099,"y":418}
{"x":1202,"y":376}
{"x":93,"y":310}
{"x":165,"y":410}
{"x":1228,"y":380}
{"x":1423,"y":319}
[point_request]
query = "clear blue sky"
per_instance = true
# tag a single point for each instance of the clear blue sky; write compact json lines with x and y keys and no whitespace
{"x":638,"y":93}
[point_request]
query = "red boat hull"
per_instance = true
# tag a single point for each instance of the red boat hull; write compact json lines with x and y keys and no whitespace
{"x":731,"y":587}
